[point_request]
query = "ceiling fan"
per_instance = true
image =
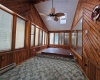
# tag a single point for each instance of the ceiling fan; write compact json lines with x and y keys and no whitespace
{"x":52,"y":13}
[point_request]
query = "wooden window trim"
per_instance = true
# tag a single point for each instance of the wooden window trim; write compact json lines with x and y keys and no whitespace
{"x":24,"y":34}
{"x":14,"y":32}
{"x":15,"y":15}
{"x":12,"y":13}
{"x":12,"y":29}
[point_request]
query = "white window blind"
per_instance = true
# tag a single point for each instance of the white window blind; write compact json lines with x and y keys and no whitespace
{"x":43,"y":38}
{"x":5,"y":30}
{"x":20,"y":33}
{"x":56,"y":38}
{"x":32,"y":35}
{"x":51,"y":38}
{"x":73,"y":39}
{"x":36,"y":36}
{"x":61,"y":39}
{"x":79,"y":39}
{"x":40,"y":37}
{"x":66,"y":38}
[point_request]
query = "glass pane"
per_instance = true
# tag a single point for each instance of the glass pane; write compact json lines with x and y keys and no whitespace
{"x":61,"y":40}
{"x":56,"y":38}
{"x":32,"y":35}
{"x":74,"y":39}
{"x":32,"y":29}
{"x":80,"y":39}
{"x":20,"y":32}
{"x":45,"y":38}
{"x":5,"y":30}
{"x":66,"y":38}
{"x":36,"y":37}
{"x":51,"y":38}
{"x":41,"y":37}
{"x":32,"y":40}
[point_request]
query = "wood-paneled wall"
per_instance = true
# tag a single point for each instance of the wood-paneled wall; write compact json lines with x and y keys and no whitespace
{"x":17,"y":56}
{"x":91,"y":40}
{"x":29,"y":12}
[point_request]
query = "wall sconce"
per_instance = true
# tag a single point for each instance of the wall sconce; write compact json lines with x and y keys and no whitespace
{"x":86,"y":32}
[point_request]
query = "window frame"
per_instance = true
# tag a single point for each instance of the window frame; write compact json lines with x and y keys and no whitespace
{"x":53,"y":38}
{"x":38,"y":35}
{"x":24,"y":33}
{"x":13,"y":38}
{"x":62,"y":40}
{"x":12,"y":28}
{"x":34,"y":35}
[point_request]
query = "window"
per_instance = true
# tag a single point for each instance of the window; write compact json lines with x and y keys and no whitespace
{"x":5,"y":30}
{"x":20,"y":33}
{"x":45,"y":38}
{"x":51,"y":38}
{"x":63,"y":19}
{"x":79,"y":39}
{"x":41,"y":37}
{"x":73,"y":39}
{"x":32,"y":35}
{"x":61,"y":40}
{"x":36,"y":36}
{"x":66,"y":40}
{"x":56,"y":38}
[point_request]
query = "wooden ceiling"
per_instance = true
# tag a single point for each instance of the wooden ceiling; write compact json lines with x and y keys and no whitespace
{"x":26,"y":9}
{"x":29,"y":1}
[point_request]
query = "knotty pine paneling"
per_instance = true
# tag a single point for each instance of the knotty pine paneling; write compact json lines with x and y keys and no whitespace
{"x":17,"y":56}
{"x":34,"y":50}
{"x":91,"y":41}
{"x":91,"y":70}
{"x":28,"y":11}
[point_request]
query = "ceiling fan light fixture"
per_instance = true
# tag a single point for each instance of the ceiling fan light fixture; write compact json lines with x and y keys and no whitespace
{"x":52,"y":11}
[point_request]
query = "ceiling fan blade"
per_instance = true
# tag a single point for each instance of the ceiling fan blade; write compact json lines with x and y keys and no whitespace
{"x":59,"y":14}
{"x":43,"y":14}
{"x":52,"y":11}
{"x":56,"y":19}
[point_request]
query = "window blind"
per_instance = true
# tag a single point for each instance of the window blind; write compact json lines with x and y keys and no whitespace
{"x":40,"y":37}
{"x":5,"y":30}
{"x":43,"y":37}
{"x":32,"y":35}
{"x":66,"y":39}
{"x":56,"y":38}
{"x":51,"y":38}
{"x":20,"y":33}
{"x":36,"y":36}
